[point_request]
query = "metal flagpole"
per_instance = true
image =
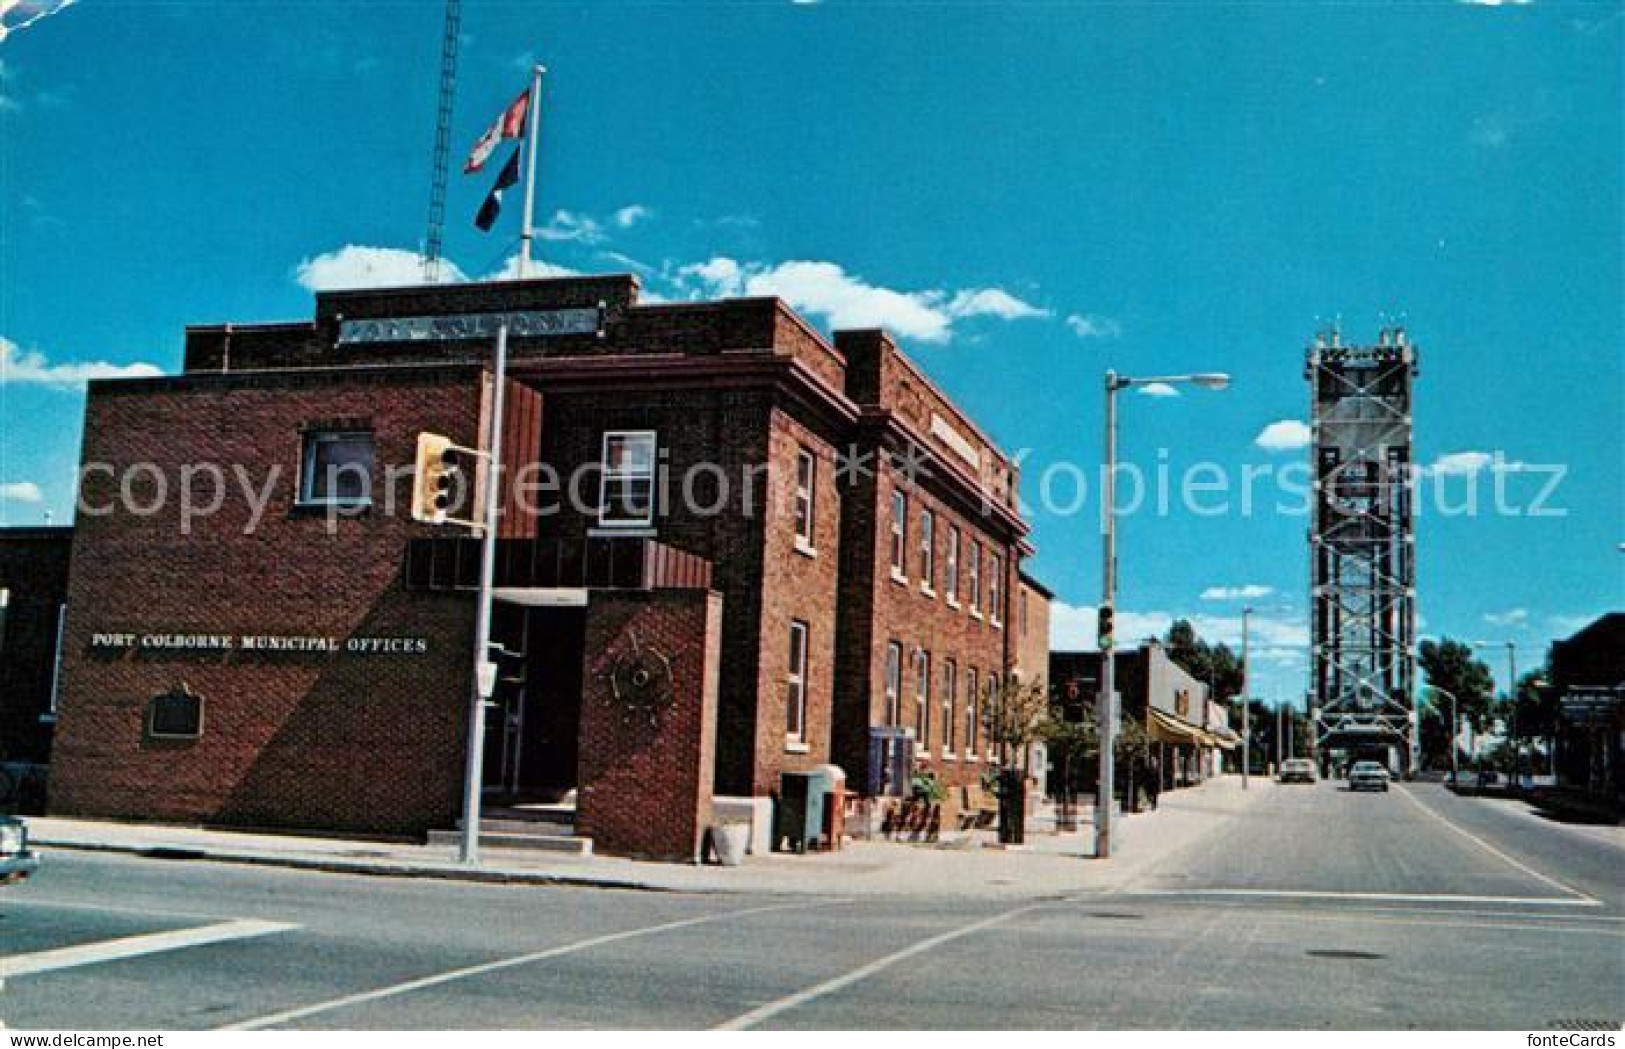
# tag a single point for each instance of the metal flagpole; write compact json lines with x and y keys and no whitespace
{"x":530,"y":169}
{"x":485,"y":676}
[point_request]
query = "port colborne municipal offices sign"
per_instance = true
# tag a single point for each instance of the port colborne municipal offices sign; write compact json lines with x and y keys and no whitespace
{"x":260,"y":644}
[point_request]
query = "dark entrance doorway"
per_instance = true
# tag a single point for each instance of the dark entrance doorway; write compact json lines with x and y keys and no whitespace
{"x":533,"y":724}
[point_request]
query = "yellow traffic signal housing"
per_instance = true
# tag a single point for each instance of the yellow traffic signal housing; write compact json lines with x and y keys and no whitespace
{"x":435,"y":478}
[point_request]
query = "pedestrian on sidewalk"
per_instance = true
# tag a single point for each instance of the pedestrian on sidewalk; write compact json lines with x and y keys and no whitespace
{"x":1153,"y":782}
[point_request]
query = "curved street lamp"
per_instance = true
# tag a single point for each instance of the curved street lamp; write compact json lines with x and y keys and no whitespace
{"x":1106,"y":706}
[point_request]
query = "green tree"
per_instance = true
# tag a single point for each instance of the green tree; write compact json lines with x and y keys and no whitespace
{"x":1216,"y":665}
{"x":1451,"y":667}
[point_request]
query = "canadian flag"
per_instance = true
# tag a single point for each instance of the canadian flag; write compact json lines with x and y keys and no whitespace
{"x":511,"y":124}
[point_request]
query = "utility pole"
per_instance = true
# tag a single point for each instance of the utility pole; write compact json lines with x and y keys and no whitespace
{"x":484,"y":668}
{"x":1246,"y":704}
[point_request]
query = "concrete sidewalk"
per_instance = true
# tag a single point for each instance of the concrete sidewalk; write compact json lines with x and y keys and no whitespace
{"x":1049,"y":864}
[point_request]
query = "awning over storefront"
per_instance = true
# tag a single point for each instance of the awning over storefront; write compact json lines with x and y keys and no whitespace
{"x":1167,"y":728}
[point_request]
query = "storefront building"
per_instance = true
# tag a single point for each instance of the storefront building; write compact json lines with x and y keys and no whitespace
{"x":730,"y":548}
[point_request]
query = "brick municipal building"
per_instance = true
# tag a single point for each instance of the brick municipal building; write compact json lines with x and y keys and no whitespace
{"x":731,"y":548}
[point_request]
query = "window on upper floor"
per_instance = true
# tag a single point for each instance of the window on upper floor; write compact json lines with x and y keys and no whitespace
{"x":899,"y":532}
{"x":928,"y":550}
{"x":972,"y":724}
{"x":894,"y":681}
{"x":806,"y":482}
{"x":951,"y":567}
{"x":973,"y":577}
{"x":795,"y":680}
{"x":626,"y":494}
{"x":995,"y":587}
{"x":922,"y":698}
{"x":336,"y":468}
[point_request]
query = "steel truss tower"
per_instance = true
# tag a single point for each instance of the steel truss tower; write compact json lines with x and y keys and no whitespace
{"x":1363,"y":548}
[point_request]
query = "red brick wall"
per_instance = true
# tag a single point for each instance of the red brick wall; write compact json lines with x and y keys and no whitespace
{"x":646,"y":778}
{"x":34,"y":568}
{"x":797,"y":585}
{"x":368,"y":744}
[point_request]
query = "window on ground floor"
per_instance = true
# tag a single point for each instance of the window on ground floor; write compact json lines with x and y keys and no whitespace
{"x":795,"y":679}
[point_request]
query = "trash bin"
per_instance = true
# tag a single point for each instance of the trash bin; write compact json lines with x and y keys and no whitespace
{"x":834,"y":829}
{"x":1012,"y":807}
{"x":729,"y":839}
{"x":799,"y":819}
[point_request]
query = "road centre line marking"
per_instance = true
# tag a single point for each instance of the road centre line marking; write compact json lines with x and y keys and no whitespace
{"x":134,"y":947}
{"x":772,"y":1009}
{"x":393,"y":990}
{"x":1492,"y":850}
{"x":1388,"y":897}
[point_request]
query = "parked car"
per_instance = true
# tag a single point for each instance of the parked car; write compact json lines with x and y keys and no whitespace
{"x":17,"y":861}
{"x":1297,"y":770}
{"x":1368,"y":775}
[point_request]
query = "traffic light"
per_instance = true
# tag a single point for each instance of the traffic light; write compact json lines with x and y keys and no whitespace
{"x":436,"y":479}
{"x":1104,"y":626}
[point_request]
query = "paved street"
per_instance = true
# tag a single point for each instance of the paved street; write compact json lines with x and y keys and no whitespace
{"x":1305,"y":907}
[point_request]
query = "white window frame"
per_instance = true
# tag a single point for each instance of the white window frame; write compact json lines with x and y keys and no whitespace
{"x":899,"y":535}
{"x":607,"y":475}
{"x":309,"y":440}
{"x":893,"y":685}
{"x":995,"y":587}
{"x":972,"y":722}
{"x":928,"y":552}
{"x":922,"y":698}
{"x":990,"y":693}
{"x":805,"y":509}
{"x":795,"y":680}
{"x":973,"y":571}
{"x":951,"y":587}
{"x":950,"y":688}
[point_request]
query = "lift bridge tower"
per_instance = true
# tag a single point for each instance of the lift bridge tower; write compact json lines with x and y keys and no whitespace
{"x":1363,"y":550}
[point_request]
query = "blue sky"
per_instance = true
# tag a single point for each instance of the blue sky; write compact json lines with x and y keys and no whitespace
{"x":1028,"y":193}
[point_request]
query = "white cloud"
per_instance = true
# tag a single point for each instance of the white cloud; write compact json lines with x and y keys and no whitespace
{"x":849,"y":301}
{"x":631,"y":215}
{"x":20,"y":14}
{"x":1284,"y":435}
{"x":1093,"y":326}
{"x":573,"y":226}
{"x":509,"y":270}
{"x":365,"y":266}
{"x":31,"y":366}
{"x":21,"y":492}
{"x":992,"y":302}
{"x":1496,"y":3}
{"x":1250,"y":592}
{"x":1158,"y":389}
{"x":1511,"y":617}
{"x":1463,"y":464}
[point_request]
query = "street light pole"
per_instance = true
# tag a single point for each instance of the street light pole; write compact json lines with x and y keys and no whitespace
{"x":1106,"y":703}
{"x":1246,"y":707}
{"x":1512,"y":712}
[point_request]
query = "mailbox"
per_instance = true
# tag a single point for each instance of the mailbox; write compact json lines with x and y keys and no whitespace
{"x":800,"y":815}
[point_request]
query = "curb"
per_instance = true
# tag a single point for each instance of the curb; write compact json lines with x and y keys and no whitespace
{"x":389,"y":870}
